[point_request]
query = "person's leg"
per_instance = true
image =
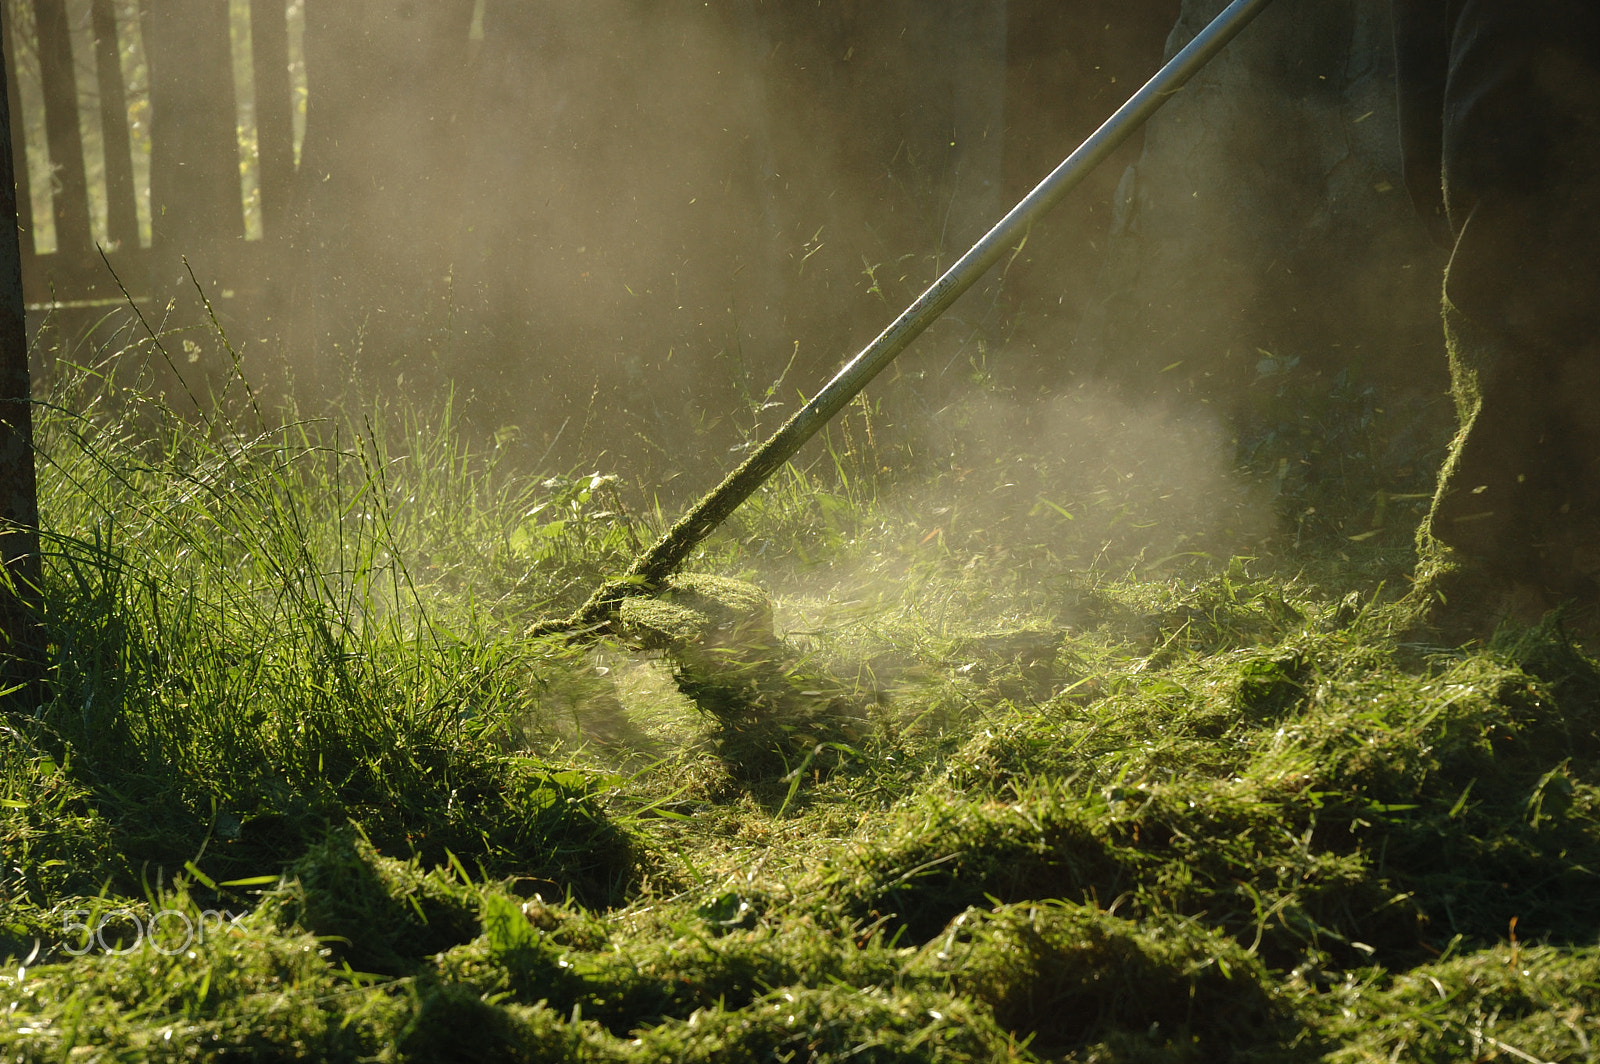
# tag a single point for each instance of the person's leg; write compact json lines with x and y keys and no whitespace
{"x":1475,"y":569}
{"x":1516,"y":496}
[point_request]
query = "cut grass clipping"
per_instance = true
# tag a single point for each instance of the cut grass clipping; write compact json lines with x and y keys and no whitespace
{"x":948,"y":792}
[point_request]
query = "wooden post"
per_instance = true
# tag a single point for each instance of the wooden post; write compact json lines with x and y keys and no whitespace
{"x":19,"y":156}
{"x":21,"y":649}
{"x":73,"y":240}
{"x":122,"y":221}
{"x":269,"y":35}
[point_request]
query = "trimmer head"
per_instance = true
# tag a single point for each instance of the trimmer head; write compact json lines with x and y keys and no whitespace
{"x":772,"y":706}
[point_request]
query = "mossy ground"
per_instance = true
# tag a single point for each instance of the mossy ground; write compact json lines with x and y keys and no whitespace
{"x":1048,"y":778}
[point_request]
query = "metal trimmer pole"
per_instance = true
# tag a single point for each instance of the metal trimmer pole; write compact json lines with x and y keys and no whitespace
{"x":670,"y":550}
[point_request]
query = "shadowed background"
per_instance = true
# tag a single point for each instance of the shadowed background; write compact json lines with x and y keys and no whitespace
{"x":643,"y":229}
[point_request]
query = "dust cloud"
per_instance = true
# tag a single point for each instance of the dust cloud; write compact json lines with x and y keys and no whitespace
{"x":632,"y":235}
{"x":644,"y":230}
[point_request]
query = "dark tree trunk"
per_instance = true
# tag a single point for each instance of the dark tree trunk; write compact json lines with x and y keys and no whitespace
{"x":122,"y":221}
{"x":73,"y":241}
{"x":21,"y":652}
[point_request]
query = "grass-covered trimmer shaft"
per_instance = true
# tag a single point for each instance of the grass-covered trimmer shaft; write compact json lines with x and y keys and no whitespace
{"x":656,"y":564}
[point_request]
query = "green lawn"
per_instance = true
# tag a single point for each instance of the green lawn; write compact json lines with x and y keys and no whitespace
{"x":1103,"y":751}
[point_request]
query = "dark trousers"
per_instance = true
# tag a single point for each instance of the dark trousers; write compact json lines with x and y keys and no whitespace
{"x":1500,"y":115}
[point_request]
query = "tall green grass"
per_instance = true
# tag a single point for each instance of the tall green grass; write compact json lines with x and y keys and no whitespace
{"x":260,"y":630}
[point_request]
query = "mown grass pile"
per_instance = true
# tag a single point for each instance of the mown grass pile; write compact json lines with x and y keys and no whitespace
{"x":1021,"y":789}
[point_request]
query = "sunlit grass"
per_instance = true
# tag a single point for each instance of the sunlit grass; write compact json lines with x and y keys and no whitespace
{"x":1040,"y":759}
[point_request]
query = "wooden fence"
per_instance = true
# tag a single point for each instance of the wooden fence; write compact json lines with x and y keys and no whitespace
{"x":86,"y":77}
